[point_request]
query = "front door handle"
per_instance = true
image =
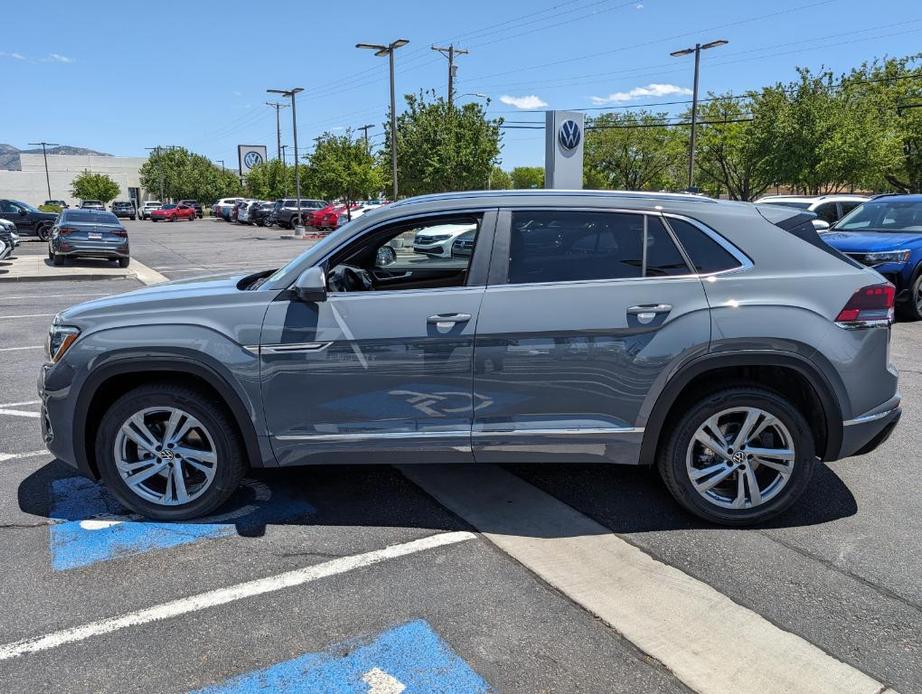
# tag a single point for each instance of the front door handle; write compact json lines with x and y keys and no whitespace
{"x":649,"y":308}
{"x":448,"y":318}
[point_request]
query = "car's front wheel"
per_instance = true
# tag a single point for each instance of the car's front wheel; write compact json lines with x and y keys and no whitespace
{"x":738,"y":456}
{"x":44,"y":232}
{"x":911,"y":309}
{"x":169,"y":452}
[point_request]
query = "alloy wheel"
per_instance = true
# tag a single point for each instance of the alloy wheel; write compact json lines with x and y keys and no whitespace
{"x":740,"y":458}
{"x":165,"y":456}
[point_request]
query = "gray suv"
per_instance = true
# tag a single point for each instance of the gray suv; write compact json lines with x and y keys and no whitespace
{"x":722,"y":342}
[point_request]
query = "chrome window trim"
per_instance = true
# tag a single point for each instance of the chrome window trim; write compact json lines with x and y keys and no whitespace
{"x":745,"y":262}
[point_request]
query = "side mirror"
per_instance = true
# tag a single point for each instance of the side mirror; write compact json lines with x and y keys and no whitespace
{"x":311,"y":285}
{"x":385,"y":256}
{"x":821,"y":225}
{"x":22,"y":212}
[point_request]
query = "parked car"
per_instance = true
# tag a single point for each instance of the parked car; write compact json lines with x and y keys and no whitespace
{"x":885,"y":233}
{"x":287,"y":212}
{"x":315,"y":217}
{"x":124,"y":209}
{"x":714,"y":340}
{"x":9,"y":239}
{"x":148,"y":207}
{"x":261,"y":213}
{"x":196,"y":205}
{"x":828,"y":208}
{"x":223,"y":207}
{"x":88,"y":233}
{"x":57,"y":203}
{"x":171,"y":212}
{"x":437,"y":240}
{"x":463,"y":246}
{"x":28,"y":220}
{"x":92,"y":205}
{"x":245,"y":209}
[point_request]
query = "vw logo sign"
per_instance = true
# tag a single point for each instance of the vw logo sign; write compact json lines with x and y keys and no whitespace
{"x":251,"y":159}
{"x":569,"y":135}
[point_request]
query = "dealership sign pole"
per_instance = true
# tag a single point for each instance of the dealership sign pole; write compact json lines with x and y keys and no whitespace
{"x":563,"y":150}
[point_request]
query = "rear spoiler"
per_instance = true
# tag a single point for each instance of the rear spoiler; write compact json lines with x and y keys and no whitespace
{"x":799,"y":223}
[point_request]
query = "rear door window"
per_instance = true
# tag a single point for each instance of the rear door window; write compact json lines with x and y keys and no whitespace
{"x":704,"y":252}
{"x":663,"y":258}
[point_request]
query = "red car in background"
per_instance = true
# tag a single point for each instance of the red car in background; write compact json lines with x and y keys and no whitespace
{"x":170,"y":213}
{"x":315,"y":217}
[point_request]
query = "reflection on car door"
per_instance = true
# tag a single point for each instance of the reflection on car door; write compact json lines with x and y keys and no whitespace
{"x":590,"y":312}
{"x":372,"y":375}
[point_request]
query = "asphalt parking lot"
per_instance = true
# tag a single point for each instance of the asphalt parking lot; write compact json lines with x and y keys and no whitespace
{"x":357,"y":580}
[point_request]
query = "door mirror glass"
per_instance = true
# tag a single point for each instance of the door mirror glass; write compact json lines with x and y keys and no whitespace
{"x":22,"y":212}
{"x":385,"y":256}
{"x":311,"y":285}
{"x":820,"y":225}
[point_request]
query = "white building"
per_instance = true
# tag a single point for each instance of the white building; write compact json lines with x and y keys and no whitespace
{"x":29,"y":184}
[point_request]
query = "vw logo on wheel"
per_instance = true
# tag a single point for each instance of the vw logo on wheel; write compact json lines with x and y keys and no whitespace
{"x":569,"y":135}
{"x":251,"y":159}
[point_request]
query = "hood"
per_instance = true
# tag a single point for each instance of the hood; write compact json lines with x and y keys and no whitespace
{"x":870,"y":241}
{"x":178,"y":293}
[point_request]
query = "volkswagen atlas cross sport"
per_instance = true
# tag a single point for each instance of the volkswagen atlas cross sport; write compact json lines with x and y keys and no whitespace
{"x":723,"y":343}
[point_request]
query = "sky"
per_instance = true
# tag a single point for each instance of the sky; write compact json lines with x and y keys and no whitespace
{"x":120,"y":77}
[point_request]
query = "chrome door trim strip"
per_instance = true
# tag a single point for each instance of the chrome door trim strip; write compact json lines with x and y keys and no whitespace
{"x":290,"y":348}
{"x":592,"y":431}
{"x":362,"y":436}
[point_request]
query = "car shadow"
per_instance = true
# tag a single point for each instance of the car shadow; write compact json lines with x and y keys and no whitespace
{"x":622,"y":499}
{"x":80,"y":262}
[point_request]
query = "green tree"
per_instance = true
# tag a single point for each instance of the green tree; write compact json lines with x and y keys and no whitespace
{"x":633,"y":151}
{"x":499,"y":179}
{"x":342,"y":168}
{"x":729,"y":157}
{"x":178,"y":174}
{"x":94,"y":186}
{"x":269,"y":180}
{"x":527,"y":177}
{"x":442,"y":147}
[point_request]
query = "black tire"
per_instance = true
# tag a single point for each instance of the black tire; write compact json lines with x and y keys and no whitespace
{"x":672,"y":457}
{"x":231,"y":463}
{"x":44,"y":232}
{"x":153,"y":219}
{"x":131,"y":218}
{"x":123,"y":262}
{"x":57,"y":259}
{"x":911,"y":309}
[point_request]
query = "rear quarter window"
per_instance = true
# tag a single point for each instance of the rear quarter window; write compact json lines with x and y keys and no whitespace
{"x":705,"y":253}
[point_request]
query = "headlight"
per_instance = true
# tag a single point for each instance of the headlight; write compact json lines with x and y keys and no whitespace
{"x":60,"y":338}
{"x":435,"y":239}
{"x":900,"y":256}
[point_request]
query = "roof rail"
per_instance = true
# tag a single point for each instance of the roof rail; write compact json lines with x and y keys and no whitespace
{"x":536,"y":192}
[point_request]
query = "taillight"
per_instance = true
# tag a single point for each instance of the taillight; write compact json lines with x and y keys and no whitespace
{"x":869,"y":306}
{"x":64,"y":231}
{"x":120,"y":232}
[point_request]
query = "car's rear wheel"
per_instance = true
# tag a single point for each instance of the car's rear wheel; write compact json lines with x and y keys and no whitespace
{"x":123,"y":262}
{"x":44,"y":232}
{"x":57,"y":259}
{"x":739,"y":456}
{"x":169,"y":452}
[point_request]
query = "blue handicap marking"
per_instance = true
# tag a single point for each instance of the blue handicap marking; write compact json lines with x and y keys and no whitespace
{"x":92,"y":526}
{"x":408,"y":659}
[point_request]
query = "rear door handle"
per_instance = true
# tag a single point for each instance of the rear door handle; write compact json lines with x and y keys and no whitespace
{"x":649,"y":308}
{"x":448,"y":318}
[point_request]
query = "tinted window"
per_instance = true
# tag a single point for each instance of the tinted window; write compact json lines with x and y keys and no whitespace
{"x":705,"y":253}
{"x":827,"y":212}
{"x":663,"y":258}
{"x":89,"y":217}
{"x":848,"y":206}
{"x":887,"y":214}
{"x":560,"y":246}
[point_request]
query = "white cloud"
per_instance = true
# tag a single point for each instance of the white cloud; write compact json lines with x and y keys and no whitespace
{"x":13,"y":55}
{"x":58,"y":58}
{"x":641,"y":92}
{"x":638,"y":6}
{"x":530,"y":101}
{"x":236,"y":93}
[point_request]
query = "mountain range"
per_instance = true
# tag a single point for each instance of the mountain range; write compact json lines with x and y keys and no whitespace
{"x":9,"y":155}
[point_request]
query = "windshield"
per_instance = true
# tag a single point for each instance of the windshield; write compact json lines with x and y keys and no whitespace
{"x":168,"y":207}
{"x":25,"y":205}
{"x":799,"y":204}
{"x":884,"y":215}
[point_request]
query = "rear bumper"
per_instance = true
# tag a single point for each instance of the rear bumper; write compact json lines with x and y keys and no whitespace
{"x":865,"y":433}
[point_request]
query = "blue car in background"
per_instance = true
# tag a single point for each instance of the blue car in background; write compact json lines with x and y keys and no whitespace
{"x":885,"y":233}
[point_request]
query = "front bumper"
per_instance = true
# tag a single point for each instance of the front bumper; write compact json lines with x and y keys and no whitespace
{"x":55,"y":392}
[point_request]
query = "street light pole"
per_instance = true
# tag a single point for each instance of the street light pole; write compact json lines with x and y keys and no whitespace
{"x":45,"y":157}
{"x":291,"y":94}
{"x":382,"y":50}
{"x":694,"y":115}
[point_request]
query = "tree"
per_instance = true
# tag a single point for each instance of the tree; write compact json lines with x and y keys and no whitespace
{"x":269,"y":180}
{"x":178,"y":174}
{"x":633,"y":151}
{"x":94,"y":186}
{"x":343,"y":168}
{"x":527,"y":177}
{"x":499,"y":179}
{"x":729,"y":156}
{"x":442,"y":147}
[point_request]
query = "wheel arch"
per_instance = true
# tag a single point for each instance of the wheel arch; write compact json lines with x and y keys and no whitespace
{"x":808,"y":381}
{"x":112,"y":380}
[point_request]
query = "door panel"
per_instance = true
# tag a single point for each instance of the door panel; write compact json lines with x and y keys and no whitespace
{"x":371,"y":376}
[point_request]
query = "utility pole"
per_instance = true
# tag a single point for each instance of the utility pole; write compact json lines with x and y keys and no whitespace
{"x":291,"y":94}
{"x":221,"y":162}
{"x":381,"y":51}
{"x":365,"y":129}
{"x":278,"y":127}
{"x":450,"y":52}
{"x":45,"y":157}
{"x":284,"y":158}
{"x":694,"y":116}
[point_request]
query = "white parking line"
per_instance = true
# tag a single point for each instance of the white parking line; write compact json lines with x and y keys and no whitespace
{"x":20,"y":404}
{"x":16,"y":456}
{"x":222,"y":596}
{"x":709,"y":642}
{"x":69,"y":295}
{"x":20,"y":413}
{"x":147,"y":275}
{"x":29,"y":315}
{"x":14,"y":349}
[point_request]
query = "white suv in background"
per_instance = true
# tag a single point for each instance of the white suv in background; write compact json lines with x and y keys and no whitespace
{"x":148,"y":207}
{"x":829,"y":209}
